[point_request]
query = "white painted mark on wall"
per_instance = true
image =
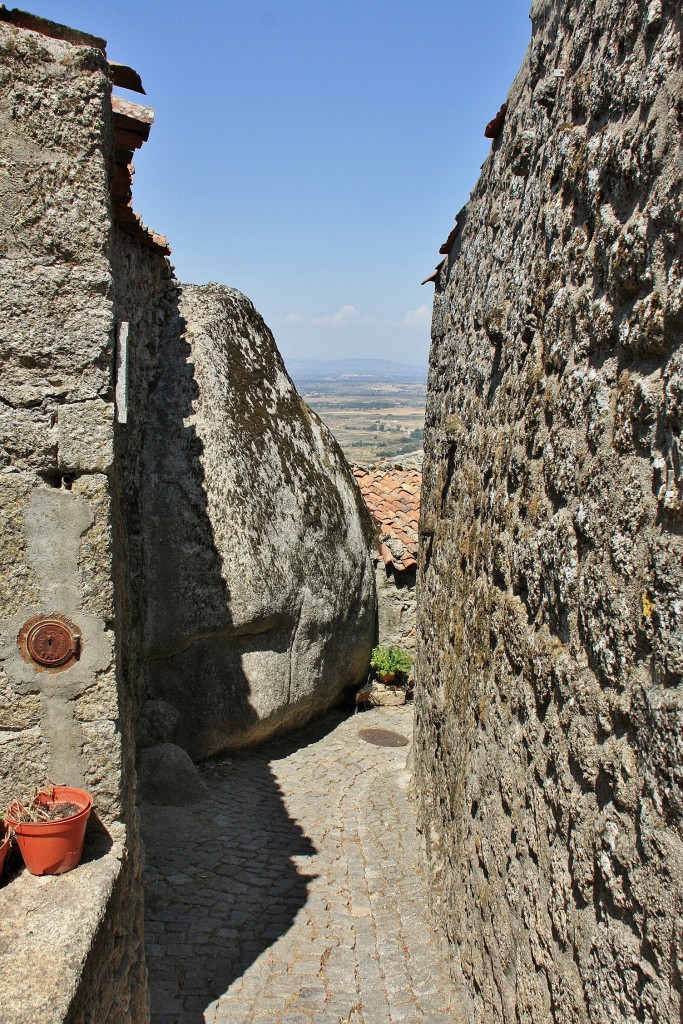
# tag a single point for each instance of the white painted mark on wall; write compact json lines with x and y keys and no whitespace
{"x":122,"y":373}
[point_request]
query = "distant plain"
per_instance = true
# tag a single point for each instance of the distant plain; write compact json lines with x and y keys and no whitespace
{"x":374,"y":408}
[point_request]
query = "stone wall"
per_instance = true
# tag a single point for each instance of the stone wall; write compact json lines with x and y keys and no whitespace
{"x":396,"y":606}
{"x":56,"y":412}
{"x":69,"y":279}
{"x":550,"y":608}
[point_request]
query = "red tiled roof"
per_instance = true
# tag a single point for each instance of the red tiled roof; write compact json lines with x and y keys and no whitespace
{"x":132,"y":123}
{"x":435,"y":273}
{"x":126,"y":77}
{"x":448,"y":244}
{"x":393,"y":498}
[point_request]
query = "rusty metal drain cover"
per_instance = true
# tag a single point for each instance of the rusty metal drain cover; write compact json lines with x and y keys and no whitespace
{"x":51,"y":643}
{"x":383,"y":737}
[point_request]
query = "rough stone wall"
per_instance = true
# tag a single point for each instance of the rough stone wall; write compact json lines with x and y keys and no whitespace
{"x":57,"y":412}
{"x":396,"y":605}
{"x":69,"y":479}
{"x":550,"y":609}
{"x":112,"y":980}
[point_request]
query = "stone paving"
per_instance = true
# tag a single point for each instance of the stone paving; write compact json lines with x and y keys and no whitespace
{"x":293,"y":894}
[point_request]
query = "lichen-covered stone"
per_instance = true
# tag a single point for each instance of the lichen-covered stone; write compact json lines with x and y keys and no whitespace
{"x":260,"y":590}
{"x":550,"y":633}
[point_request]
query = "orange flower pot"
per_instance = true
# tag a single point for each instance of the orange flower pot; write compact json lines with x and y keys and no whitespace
{"x":4,"y":848}
{"x":53,"y":847}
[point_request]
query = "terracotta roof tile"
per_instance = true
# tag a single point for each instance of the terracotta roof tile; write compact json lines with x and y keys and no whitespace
{"x":125,"y":77}
{"x":448,"y":244}
{"x":393,"y":498}
{"x":131,"y":128}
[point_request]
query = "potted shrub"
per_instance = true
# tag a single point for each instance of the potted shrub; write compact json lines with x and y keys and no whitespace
{"x":50,"y":829}
{"x":390,"y":662}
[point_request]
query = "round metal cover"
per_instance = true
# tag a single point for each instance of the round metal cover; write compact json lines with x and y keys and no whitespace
{"x":50,"y":642}
{"x":383,"y":737}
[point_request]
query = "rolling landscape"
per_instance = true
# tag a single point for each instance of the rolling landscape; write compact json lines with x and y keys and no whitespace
{"x":374,"y":407}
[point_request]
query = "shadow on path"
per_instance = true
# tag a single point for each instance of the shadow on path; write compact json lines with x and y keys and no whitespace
{"x":222,"y":883}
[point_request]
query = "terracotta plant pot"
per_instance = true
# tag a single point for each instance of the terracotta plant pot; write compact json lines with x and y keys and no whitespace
{"x":4,"y":847}
{"x":53,"y":847}
{"x":387,"y":677}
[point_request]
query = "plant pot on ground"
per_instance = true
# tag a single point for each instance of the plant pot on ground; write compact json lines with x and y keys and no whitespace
{"x":50,"y":829}
{"x":391,"y":664}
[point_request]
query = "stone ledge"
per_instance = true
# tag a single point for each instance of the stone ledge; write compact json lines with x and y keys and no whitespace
{"x":48,"y":926}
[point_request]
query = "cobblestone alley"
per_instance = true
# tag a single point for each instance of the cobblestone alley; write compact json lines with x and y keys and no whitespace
{"x":292,"y":895}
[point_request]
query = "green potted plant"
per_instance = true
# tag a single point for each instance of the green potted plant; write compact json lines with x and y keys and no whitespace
{"x":390,"y":662}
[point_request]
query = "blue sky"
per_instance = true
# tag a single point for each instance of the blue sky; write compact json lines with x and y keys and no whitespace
{"x":313,"y":154}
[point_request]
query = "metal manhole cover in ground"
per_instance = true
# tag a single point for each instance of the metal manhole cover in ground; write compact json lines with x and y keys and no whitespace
{"x":383,"y":737}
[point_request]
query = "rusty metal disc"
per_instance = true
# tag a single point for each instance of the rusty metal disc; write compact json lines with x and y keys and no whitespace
{"x":50,"y":642}
{"x":383,"y":737}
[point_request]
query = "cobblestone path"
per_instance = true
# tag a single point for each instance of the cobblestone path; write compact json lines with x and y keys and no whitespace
{"x":292,"y":895}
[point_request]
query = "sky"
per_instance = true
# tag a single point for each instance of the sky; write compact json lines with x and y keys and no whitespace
{"x":313,"y":154}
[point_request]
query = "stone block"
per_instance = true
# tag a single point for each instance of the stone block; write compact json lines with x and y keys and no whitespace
{"x":85,"y":437}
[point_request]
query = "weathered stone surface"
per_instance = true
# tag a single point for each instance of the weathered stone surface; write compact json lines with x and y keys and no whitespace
{"x":396,"y":600}
{"x":55,"y":303}
{"x":85,"y":437}
{"x":260,"y":592}
{"x":158,"y":722}
{"x":61,"y":954}
{"x":381,"y":696}
{"x":167,"y":776}
{"x":549,"y":671}
{"x":70,"y":539}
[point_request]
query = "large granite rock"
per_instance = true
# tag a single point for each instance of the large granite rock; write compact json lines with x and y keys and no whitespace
{"x":549,"y":699}
{"x":260,"y":591}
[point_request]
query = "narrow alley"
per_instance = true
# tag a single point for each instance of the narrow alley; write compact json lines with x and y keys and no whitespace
{"x":293,"y":895}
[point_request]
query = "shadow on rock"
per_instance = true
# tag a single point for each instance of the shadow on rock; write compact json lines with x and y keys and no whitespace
{"x":227,"y":646}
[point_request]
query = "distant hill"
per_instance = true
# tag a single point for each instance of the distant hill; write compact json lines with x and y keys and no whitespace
{"x":384,"y":369}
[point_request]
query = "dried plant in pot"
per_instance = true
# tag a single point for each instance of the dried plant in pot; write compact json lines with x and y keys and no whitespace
{"x":391,"y":664}
{"x":50,"y":829}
